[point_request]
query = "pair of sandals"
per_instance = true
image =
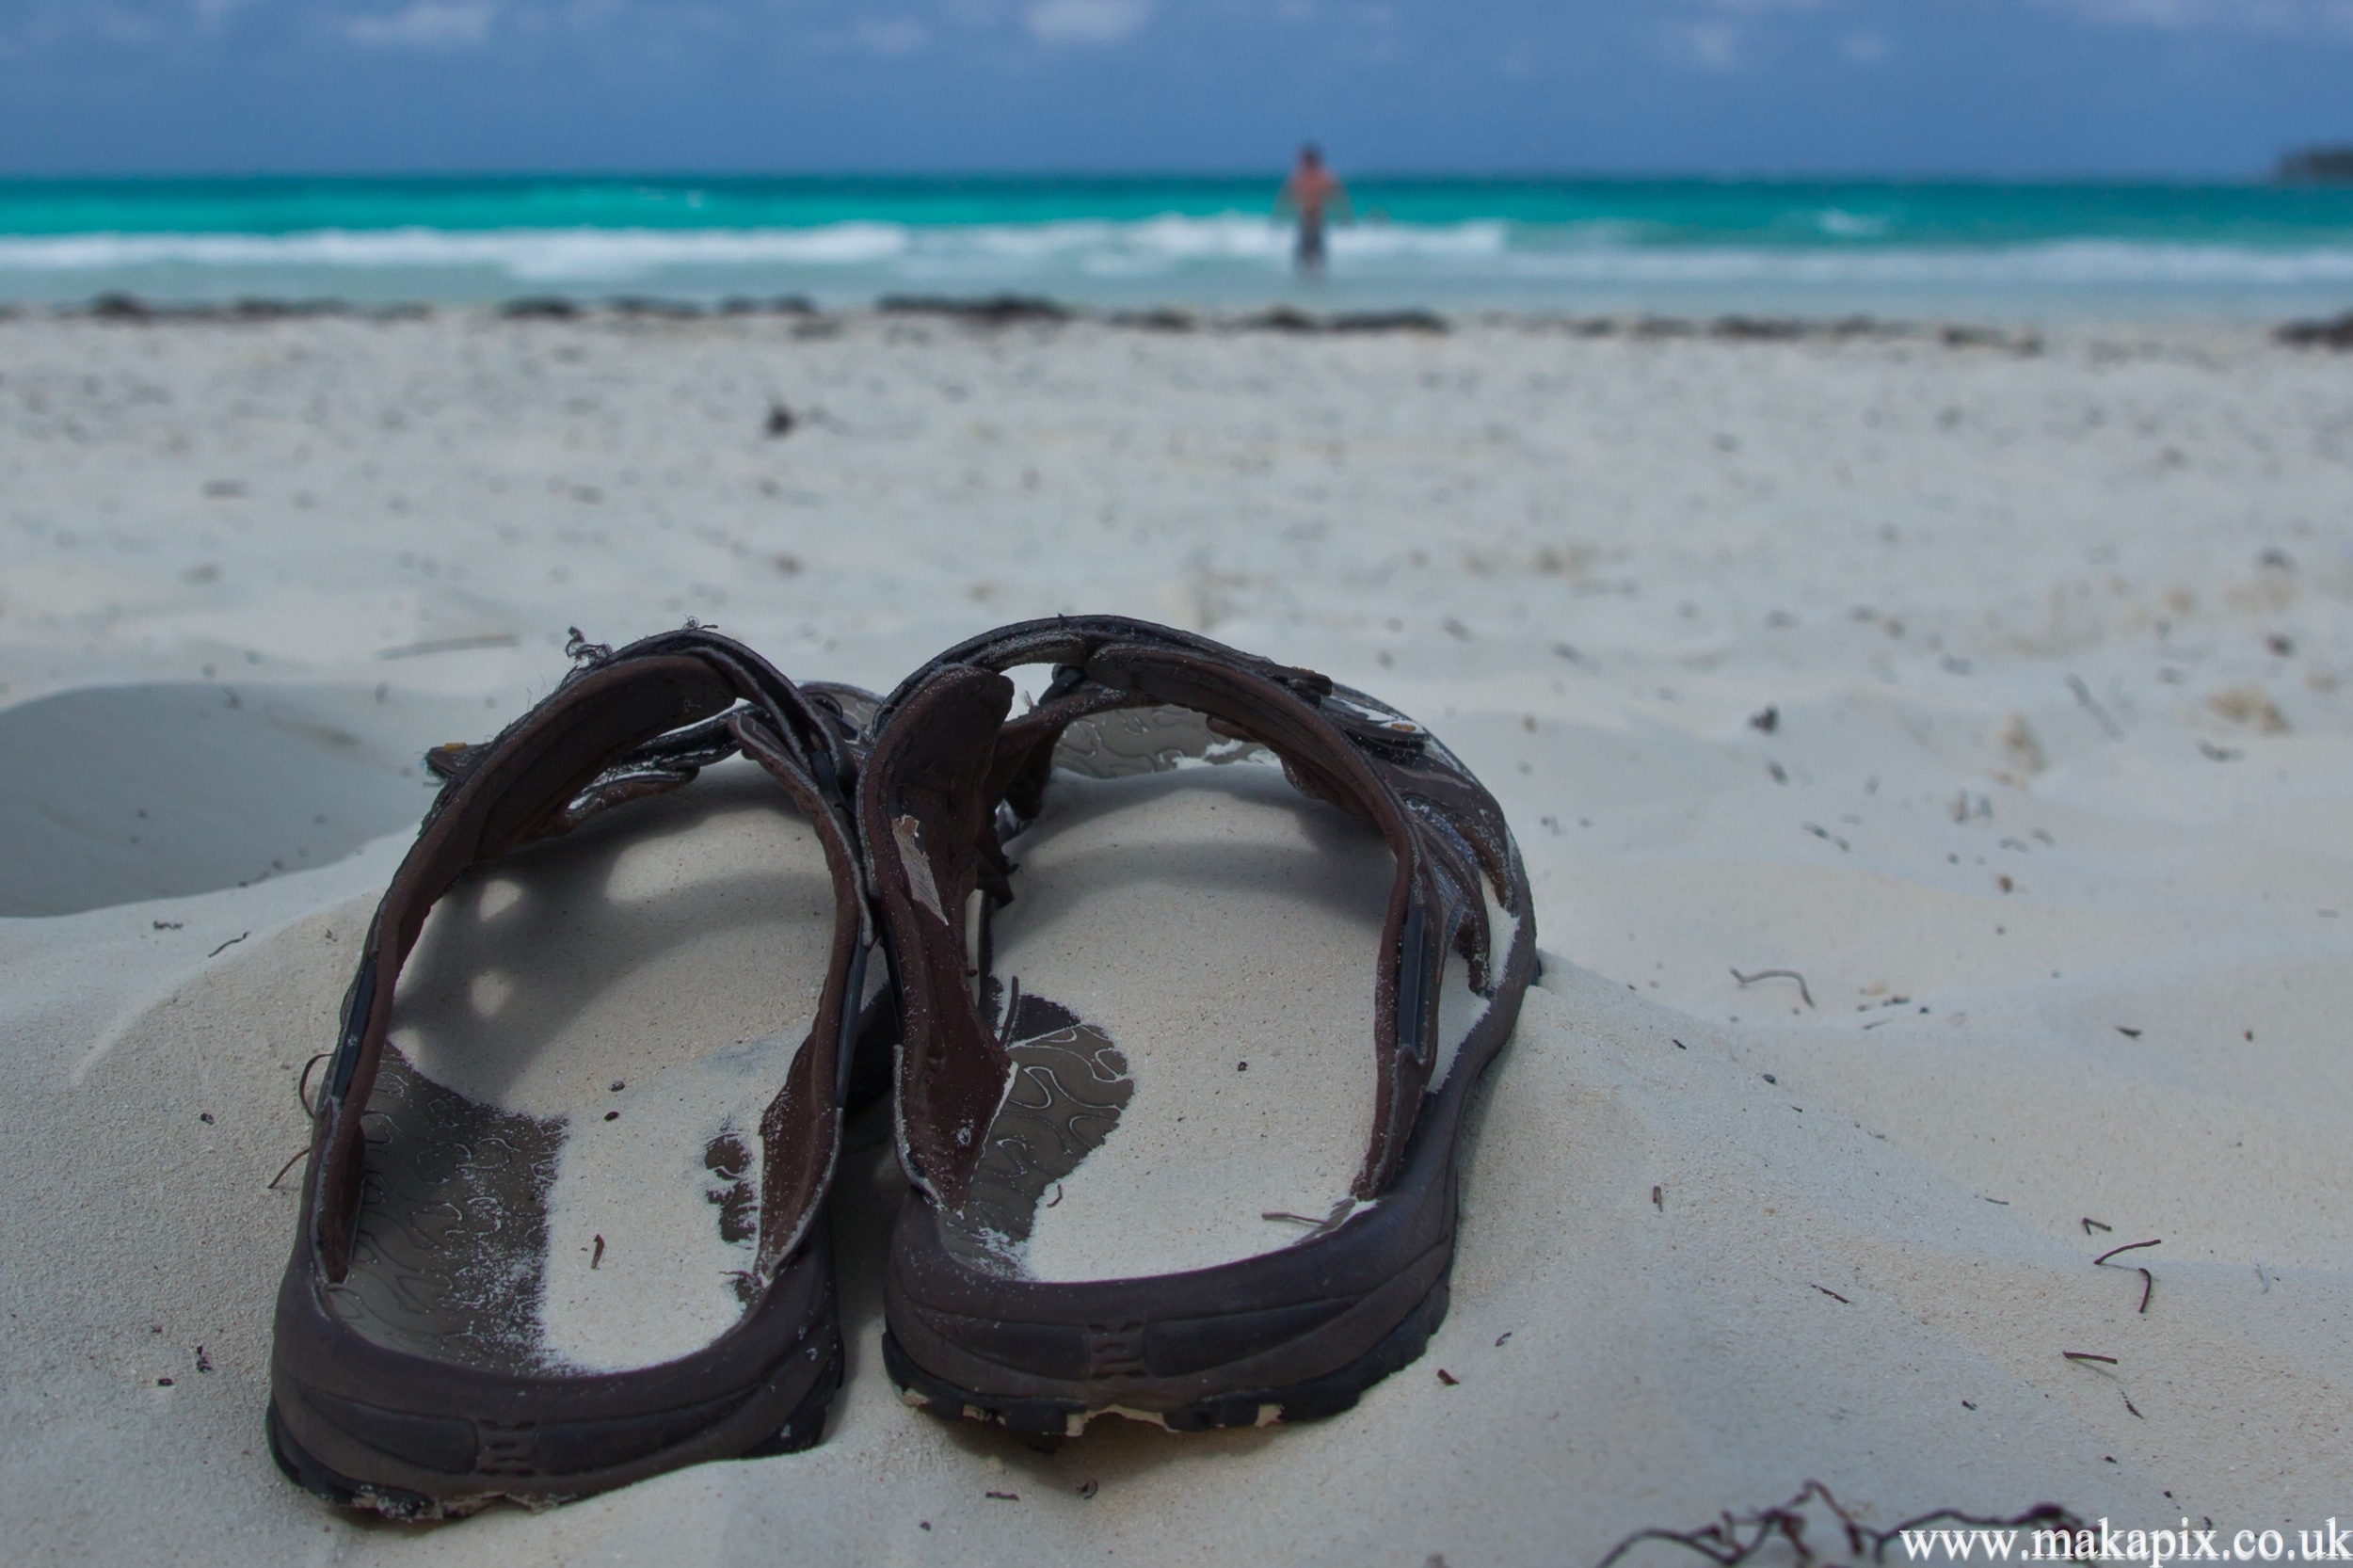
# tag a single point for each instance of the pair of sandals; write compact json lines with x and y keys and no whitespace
{"x":1212,"y":846}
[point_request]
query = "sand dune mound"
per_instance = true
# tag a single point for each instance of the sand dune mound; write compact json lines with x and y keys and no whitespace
{"x":113,"y":794}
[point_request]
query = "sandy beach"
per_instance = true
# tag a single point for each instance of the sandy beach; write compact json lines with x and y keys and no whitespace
{"x":1993,"y":687}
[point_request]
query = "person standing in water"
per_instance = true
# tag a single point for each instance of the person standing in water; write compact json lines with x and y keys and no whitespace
{"x":1314,"y":192}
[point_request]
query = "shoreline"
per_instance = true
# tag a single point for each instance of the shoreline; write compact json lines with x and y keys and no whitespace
{"x":1012,"y":309}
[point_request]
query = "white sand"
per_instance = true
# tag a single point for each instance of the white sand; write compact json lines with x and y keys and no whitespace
{"x":647,"y":981}
{"x":2016,"y":619}
{"x":112,"y":794}
{"x":1248,"y":1029}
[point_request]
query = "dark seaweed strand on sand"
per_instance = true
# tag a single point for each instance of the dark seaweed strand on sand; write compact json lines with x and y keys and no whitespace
{"x":1387,"y":321}
{"x":658,"y":309}
{"x":782,"y":305}
{"x":1165,"y":318}
{"x":1002,"y":310}
{"x":130,"y":308}
{"x":1281,"y":318}
{"x":2336,"y":333}
{"x":1291,"y":318}
{"x":1759,"y":328}
{"x":541,"y":308}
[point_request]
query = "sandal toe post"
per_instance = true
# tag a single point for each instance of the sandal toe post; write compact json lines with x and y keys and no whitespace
{"x":450,"y":1329}
{"x":1368,"y":844}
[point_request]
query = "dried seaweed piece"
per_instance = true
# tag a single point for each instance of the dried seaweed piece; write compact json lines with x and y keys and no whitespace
{"x":1731,"y":1541}
{"x":2148,"y":1280}
{"x":1748,"y":980}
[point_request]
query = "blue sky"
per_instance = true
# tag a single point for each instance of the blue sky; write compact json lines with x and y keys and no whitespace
{"x":1968,"y":87}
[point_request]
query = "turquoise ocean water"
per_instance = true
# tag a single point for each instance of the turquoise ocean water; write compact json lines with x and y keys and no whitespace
{"x":1587,"y":246}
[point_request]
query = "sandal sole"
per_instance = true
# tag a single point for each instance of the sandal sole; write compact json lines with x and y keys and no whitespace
{"x":802,"y":1430}
{"x":1313,"y":1400}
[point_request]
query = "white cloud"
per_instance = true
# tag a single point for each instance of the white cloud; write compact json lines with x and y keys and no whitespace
{"x":423,"y":24}
{"x":117,"y":25}
{"x":1865,"y":48}
{"x":2290,"y":18}
{"x":1708,"y":45}
{"x":1717,"y":35}
{"x":898,"y":35}
{"x":1095,"y":21}
{"x":211,"y":15}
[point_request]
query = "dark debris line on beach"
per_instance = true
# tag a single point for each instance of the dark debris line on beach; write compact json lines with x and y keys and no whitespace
{"x":131,"y":309}
{"x":999,"y":309}
{"x":1012,"y":309}
{"x":2337,"y":333}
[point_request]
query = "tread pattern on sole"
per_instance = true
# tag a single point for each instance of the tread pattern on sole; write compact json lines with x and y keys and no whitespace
{"x":803,"y":1429}
{"x":1311,"y":1400}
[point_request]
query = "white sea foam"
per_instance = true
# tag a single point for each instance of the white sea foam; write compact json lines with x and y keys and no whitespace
{"x":1171,"y":255}
{"x":1845,"y":225}
{"x":619,"y":253}
{"x":2064,"y":264}
{"x":532,"y":254}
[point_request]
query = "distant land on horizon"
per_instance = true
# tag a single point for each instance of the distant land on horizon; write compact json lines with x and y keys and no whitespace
{"x":2316,"y":165}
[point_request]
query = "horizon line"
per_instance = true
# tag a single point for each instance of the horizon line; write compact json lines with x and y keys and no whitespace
{"x":1264,"y":173}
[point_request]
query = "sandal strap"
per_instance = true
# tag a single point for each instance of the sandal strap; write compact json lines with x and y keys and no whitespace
{"x":945,"y":756}
{"x":622,"y":726}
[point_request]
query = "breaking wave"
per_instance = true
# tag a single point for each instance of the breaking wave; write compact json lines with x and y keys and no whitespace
{"x":1177,"y":258}
{"x":616,"y":255}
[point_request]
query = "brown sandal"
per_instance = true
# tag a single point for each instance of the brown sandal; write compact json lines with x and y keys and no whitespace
{"x":1190,"y":940}
{"x":501,"y":1287}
